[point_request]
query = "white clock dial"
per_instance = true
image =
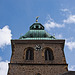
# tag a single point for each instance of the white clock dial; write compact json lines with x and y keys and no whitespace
{"x":38,"y":47}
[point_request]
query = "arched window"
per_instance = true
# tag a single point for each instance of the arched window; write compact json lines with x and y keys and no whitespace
{"x":49,"y":54}
{"x":29,"y":54}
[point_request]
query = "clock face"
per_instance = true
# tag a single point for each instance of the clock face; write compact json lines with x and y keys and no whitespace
{"x":38,"y":47}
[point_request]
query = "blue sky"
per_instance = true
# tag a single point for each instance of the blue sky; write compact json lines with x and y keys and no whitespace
{"x":16,"y":16}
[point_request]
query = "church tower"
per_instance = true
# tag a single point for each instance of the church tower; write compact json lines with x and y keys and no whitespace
{"x":37,"y":53}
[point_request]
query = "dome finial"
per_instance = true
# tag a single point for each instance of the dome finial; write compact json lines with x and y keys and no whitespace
{"x":37,"y":18}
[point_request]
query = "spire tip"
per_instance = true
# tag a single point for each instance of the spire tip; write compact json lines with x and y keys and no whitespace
{"x":37,"y":18}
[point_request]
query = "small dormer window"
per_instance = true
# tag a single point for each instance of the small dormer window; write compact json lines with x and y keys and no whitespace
{"x":34,"y":26}
{"x":37,"y":27}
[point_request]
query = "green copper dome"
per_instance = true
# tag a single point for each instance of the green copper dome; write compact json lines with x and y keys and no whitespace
{"x":37,"y":32}
{"x":37,"y":26}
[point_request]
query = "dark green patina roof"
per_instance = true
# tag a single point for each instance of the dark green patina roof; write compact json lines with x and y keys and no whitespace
{"x":37,"y":32}
{"x":37,"y":26}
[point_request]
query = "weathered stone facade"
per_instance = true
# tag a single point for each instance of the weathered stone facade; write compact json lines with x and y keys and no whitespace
{"x":19,"y":69}
{"x":20,"y":66}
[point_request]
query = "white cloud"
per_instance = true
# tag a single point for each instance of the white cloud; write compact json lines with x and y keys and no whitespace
{"x":71,"y":68}
{"x":59,"y":36}
{"x":70,"y":19}
{"x":0,"y":58}
{"x":51,"y":24}
{"x":5,"y":36}
{"x":65,"y":10}
{"x":3,"y":68}
{"x":70,"y":45}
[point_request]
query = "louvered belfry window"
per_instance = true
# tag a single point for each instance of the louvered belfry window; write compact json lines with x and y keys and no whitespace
{"x":49,"y":54}
{"x":29,"y":54}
